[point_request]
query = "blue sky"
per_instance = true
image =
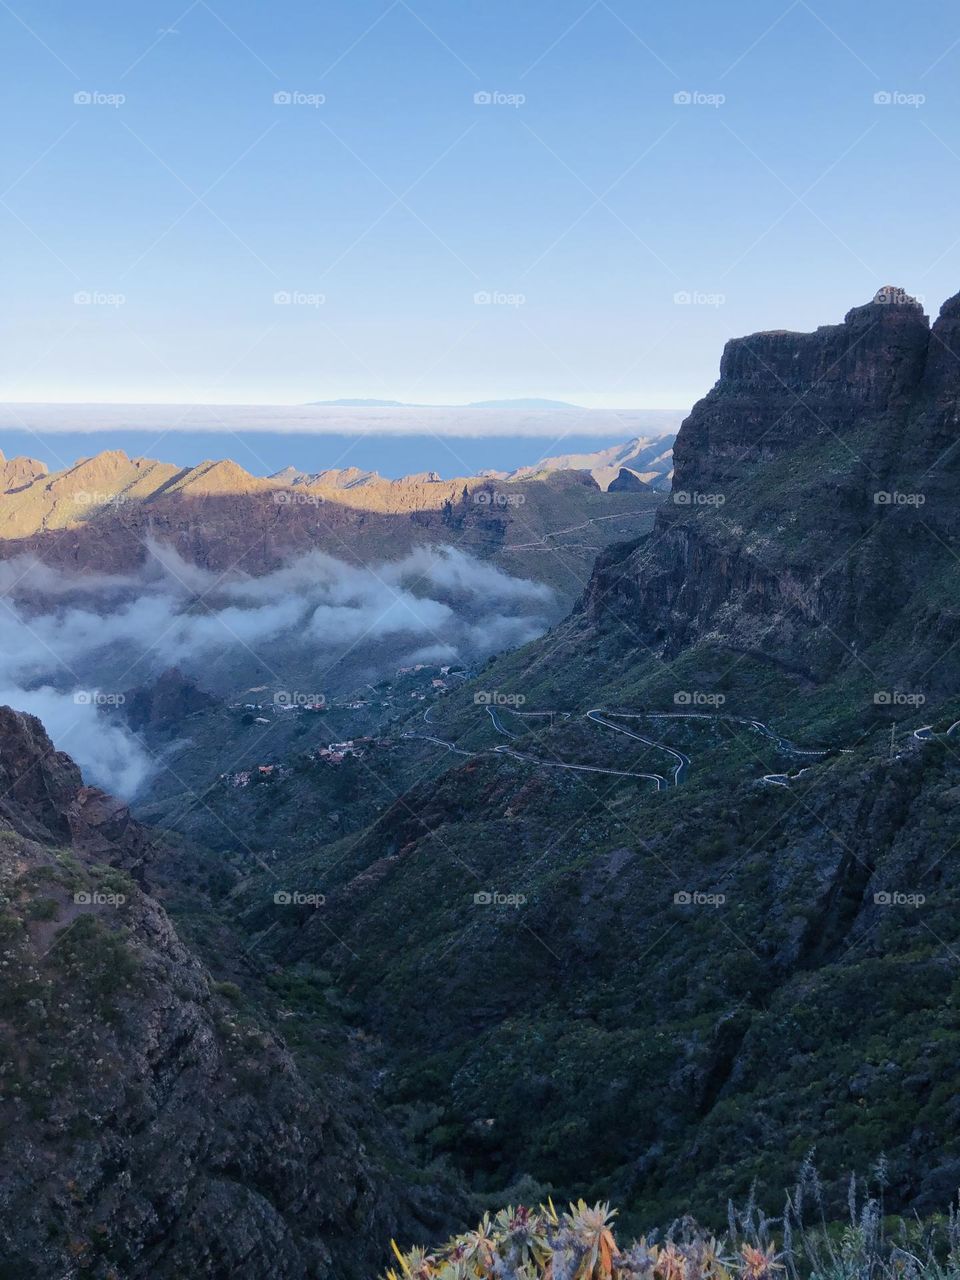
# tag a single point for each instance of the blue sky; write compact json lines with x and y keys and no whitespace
{"x":581,"y":201}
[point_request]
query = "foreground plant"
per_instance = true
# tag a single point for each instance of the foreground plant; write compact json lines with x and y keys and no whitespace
{"x":542,"y":1244}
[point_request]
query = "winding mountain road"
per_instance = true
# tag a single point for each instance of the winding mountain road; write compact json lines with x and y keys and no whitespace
{"x":783,"y":743}
{"x":542,"y":542}
{"x":784,"y":779}
{"x":499,"y":725}
{"x":683,"y":761}
{"x":606,"y":719}
{"x":925,"y":732}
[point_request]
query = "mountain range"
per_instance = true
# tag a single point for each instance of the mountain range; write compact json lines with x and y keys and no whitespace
{"x":102,"y":512}
{"x":644,"y":909}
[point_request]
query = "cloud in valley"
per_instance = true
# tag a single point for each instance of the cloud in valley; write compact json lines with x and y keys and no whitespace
{"x":56,"y":628}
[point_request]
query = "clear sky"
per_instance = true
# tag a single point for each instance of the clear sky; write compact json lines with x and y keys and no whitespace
{"x":180,"y":198}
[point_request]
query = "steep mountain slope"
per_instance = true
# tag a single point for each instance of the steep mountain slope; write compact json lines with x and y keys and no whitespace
{"x":661,"y":993}
{"x":152,"y":1125}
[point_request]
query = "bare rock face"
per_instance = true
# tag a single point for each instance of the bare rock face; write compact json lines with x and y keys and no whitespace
{"x":779,"y":390}
{"x":813,"y":499}
{"x":148,"y":1127}
{"x":18,"y":473}
{"x":37,"y":783}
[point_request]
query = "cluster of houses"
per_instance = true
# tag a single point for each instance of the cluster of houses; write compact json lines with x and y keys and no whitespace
{"x":263,"y":772}
{"x":311,"y":704}
{"x":284,"y":704}
{"x":337,"y":752}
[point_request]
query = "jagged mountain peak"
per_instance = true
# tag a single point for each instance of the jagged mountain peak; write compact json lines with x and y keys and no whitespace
{"x":18,"y":473}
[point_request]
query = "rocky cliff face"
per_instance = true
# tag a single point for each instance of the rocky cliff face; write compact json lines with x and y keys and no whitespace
{"x":811,"y":511}
{"x":150,"y":1126}
{"x":780,"y":390}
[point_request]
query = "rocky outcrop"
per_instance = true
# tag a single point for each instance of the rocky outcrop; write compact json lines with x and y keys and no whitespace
{"x":627,"y":481}
{"x":812,"y":507}
{"x":18,"y":473}
{"x":151,"y":1127}
{"x":778,"y":391}
{"x":166,"y":703}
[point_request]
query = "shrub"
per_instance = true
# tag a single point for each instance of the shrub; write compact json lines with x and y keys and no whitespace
{"x":229,"y":990}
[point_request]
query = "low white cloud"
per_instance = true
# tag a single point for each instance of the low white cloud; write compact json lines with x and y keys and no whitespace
{"x":107,"y":753}
{"x":54,"y":627}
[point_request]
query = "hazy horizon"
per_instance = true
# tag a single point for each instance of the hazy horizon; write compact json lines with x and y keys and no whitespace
{"x":264,"y":439}
{"x":265,"y":452}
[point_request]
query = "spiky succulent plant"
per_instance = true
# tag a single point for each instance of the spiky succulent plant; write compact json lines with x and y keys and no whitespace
{"x":579,"y":1244}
